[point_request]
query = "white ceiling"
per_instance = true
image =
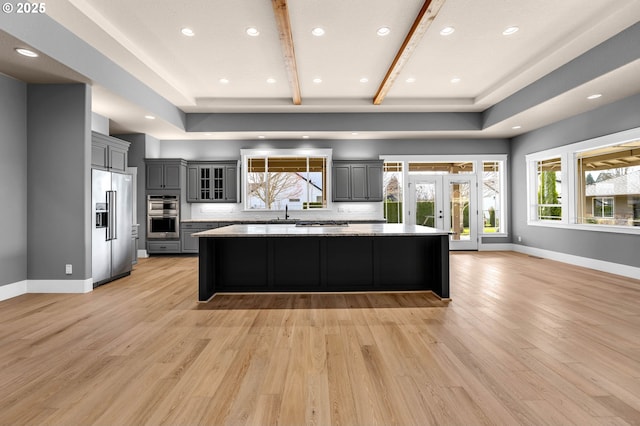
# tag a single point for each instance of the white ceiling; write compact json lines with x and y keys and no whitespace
{"x":144,"y":38}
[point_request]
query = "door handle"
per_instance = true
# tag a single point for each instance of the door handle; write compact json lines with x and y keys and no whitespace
{"x":115,"y":217}
{"x":109,"y":215}
{"x":112,"y":221}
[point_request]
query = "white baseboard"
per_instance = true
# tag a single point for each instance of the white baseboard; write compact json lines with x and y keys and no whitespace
{"x":13,"y":290}
{"x":84,"y":286}
{"x":495,"y":247}
{"x":45,"y":286}
{"x":585,"y":262}
{"x":60,"y":286}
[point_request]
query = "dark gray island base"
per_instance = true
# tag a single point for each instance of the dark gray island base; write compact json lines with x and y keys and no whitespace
{"x":358,"y":257}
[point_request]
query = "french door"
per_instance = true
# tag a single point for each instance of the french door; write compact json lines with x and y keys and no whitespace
{"x":445,"y":202}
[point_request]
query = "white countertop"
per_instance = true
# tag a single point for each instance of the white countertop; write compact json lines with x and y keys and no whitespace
{"x":352,"y":230}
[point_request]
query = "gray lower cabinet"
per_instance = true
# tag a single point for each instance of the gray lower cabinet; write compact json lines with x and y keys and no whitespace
{"x":357,"y":180}
{"x":212,"y":181}
{"x":187,"y":229}
{"x":108,"y":153}
{"x":163,"y":246}
{"x":189,"y":242}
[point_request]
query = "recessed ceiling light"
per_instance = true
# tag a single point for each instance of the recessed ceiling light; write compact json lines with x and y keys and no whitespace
{"x":456,"y":80}
{"x":271,"y":80}
{"x":411,"y":80}
{"x":447,"y":31}
{"x":253,"y":31}
{"x":317,"y":80}
{"x":224,"y":81}
{"x":594,"y":96}
{"x":305,"y":137}
{"x":261,"y":137}
{"x":318,"y":32}
{"x":364,"y":80}
{"x":354,"y":133}
{"x":26,"y":52}
{"x":149,"y":117}
{"x":188,"y":32}
{"x":510,"y":30}
{"x":383,"y":31}
{"x":208,"y":134}
{"x":516,"y":127}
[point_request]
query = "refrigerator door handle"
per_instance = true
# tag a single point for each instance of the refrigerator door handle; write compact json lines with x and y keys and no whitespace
{"x":114,"y":229}
{"x":110,"y":215}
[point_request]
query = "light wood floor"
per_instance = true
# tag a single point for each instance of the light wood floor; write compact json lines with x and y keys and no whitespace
{"x":524,"y":341}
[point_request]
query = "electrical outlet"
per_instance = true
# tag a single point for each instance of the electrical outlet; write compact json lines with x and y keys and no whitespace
{"x":68,"y":269}
{"x":519,"y":238}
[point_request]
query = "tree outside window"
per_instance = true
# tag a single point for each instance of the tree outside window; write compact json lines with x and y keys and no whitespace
{"x":549,"y":182}
{"x":393,"y":197}
{"x":276,"y":183}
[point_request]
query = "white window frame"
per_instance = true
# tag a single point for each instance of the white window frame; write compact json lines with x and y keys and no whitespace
{"x":246,"y":154}
{"x":613,"y":207}
{"x":532,"y":185}
{"x":503,"y":195}
{"x":477,"y":161}
{"x":569,"y":157}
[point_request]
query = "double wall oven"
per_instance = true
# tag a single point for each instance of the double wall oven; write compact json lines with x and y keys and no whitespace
{"x":163,"y":216}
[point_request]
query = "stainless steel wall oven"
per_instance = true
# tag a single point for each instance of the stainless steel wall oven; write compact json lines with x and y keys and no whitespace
{"x":163,"y":216}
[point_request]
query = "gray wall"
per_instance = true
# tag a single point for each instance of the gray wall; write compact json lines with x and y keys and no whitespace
{"x":59,"y":181}
{"x":342,"y":149}
{"x":611,"y":247}
{"x":13,"y":180}
{"x":44,"y":34}
{"x":136,"y":156}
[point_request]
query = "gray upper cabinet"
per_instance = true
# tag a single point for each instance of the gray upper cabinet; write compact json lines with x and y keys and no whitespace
{"x":341,"y":181}
{"x":164,"y":174}
{"x":108,"y":153}
{"x":231,"y":183}
{"x":374,"y":181}
{"x":357,"y":180}
{"x":212,"y":181}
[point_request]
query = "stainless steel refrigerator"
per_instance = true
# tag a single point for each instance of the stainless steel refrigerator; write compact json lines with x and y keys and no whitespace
{"x":111,"y":244}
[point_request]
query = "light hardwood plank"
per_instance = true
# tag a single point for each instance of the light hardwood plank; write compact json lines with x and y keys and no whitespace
{"x":523,"y":341}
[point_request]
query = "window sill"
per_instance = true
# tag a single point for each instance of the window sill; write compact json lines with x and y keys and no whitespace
{"x":584,"y":227}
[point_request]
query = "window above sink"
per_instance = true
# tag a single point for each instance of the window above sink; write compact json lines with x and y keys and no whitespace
{"x":279,"y":179}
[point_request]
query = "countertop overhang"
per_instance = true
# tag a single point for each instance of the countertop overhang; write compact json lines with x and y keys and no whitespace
{"x":352,"y":230}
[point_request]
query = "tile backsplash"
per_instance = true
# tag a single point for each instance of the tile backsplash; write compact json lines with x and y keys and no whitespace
{"x":338,"y":211}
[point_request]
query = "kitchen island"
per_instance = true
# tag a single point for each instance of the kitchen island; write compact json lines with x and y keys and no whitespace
{"x":322,"y":258}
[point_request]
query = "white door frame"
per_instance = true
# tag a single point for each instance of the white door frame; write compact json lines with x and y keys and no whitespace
{"x":442,"y":207}
{"x":472,"y":242}
{"x":438,"y":208}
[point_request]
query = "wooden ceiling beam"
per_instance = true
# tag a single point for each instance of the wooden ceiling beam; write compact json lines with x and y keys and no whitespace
{"x":281,"y":12}
{"x":425,"y":17}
